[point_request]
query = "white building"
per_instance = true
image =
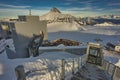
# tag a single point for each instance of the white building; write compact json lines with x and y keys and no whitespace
{"x":29,"y":25}
{"x":22,"y":32}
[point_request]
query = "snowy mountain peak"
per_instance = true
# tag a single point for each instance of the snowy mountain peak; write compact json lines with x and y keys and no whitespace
{"x":55,"y":10}
{"x":55,"y":15}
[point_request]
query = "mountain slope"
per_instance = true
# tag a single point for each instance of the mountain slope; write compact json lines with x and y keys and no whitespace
{"x":55,"y":27}
{"x":54,"y":14}
{"x":60,"y":22}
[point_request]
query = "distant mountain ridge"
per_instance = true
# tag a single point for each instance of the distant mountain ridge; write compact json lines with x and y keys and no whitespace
{"x":55,"y":15}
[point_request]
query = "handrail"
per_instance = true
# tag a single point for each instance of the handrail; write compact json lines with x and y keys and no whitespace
{"x":70,"y":66}
{"x":111,"y":69}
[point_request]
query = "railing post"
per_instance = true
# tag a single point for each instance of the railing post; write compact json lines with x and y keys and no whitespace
{"x":112,"y":77}
{"x":78,"y":63}
{"x":81,"y":61}
{"x":20,"y":73}
{"x":103,"y":65}
{"x":108,"y":67}
{"x":63,"y":70}
{"x":73,"y":67}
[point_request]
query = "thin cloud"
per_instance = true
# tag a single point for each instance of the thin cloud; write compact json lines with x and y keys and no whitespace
{"x":42,"y":8}
{"x":86,"y":8}
{"x":114,"y":4}
{"x":114,"y":10}
{"x":15,"y":12}
{"x":83,"y":13}
{"x":72,"y":0}
{"x":100,"y":9}
{"x":13,"y":6}
{"x":79,"y":9}
{"x":85,"y":2}
{"x":67,"y":3}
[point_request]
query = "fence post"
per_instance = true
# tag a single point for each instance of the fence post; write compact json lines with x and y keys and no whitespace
{"x":63,"y":70}
{"x":78,"y":63}
{"x":20,"y":73}
{"x":112,"y":77}
{"x":108,"y":67}
{"x":73,"y":67}
{"x":81,"y":61}
{"x":103,"y":65}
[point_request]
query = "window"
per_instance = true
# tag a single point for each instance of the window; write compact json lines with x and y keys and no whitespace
{"x":94,"y":51}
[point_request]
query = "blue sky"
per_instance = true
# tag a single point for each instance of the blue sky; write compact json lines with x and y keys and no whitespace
{"x":12,"y":8}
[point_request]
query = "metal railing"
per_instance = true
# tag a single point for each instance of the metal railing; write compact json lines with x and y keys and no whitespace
{"x":71,"y":66}
{"x":64,"y":70}
{"x":112,"y":70}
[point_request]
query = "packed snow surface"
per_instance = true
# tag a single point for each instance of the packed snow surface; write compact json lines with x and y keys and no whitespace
{"x":112,"y":57}
{"x":7,"y":66}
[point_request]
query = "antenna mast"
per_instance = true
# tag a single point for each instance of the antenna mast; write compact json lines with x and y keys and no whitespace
{"x":30,"y":12}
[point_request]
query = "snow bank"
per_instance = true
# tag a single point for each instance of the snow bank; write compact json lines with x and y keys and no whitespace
{"x":48,"y":60}
{"x":112,"y":57}
{"x":3,"y":56}
{"x":107,"y":30}
{"x":61,"y":46}
{"x":118,"y":63}
{"x":58,"y":26}
{"x":106,"y":24}
{"x":6,"y":68}
{"x":57,"y":55}
{"x":10,"y":43}
{"x":55,"y":27}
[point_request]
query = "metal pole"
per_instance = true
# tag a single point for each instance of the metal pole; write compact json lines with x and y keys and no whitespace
{"x":63,"y":70}
{"x":78,"y":63}
{"x":81,"y":61}
{"x":73,"y":66}
{"x":108,"y":66}
{"x":20,"y":73}
{"x":112,"y":77}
